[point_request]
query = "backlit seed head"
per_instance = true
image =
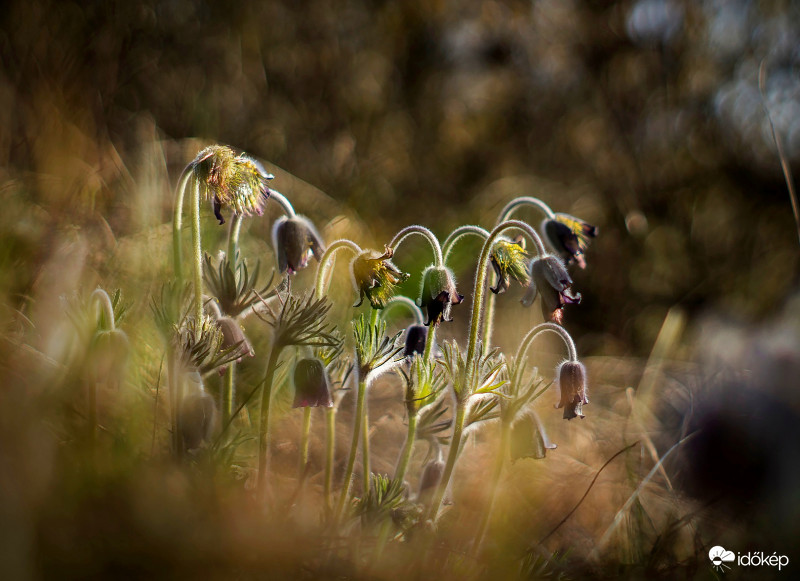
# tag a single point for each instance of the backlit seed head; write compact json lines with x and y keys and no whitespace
{"x":509,"y":260}
{"x":375,"y":277}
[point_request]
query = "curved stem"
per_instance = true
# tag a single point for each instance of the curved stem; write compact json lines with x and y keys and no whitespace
{"x":408,"y":448}
{"x":452,"y":456}
{"x":177,"y":218}
{"x":497,"y":470}
{"x":421,"y":230}
{"x":197,"y":252}
{"x":397,"y":301}
{"x":283,"y":201}
{"x":488,"y":320}
{"x":480,"y":277}
{"x":543,"y":328}
{"x":327,"y":257}
{"x":506,"y":212}
{"x":233,"y":239}
{"x":351,"y":460}
{"x":264,"y":422}
{"x":459,"y":233}
{"x":330,"y":445}
{"x":104,"y":304}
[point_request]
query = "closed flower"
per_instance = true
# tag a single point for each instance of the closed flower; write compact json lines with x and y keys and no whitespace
{"x":295,"y":241}
{"x":551,"y":282}
{"x":439,"y":294}
{"x":572,"y":386}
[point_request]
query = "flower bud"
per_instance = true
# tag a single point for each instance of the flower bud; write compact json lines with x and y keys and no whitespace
{"x":232,"y":334}
{"x":109,"y":353}
{"x":295,"y":241}
{"x":311,"y":385}
{"x":416,"y":336}
{"x":550,"y":279}
{"x":197,"y":413}
{"x":439,"y":294}
{"x":569,"y":237}
{"x":572,"y":387}
{"x":528,"y":440}
{"x":375,"y":277}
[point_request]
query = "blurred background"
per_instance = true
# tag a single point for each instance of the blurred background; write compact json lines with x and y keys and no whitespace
{"x":642,"y":117}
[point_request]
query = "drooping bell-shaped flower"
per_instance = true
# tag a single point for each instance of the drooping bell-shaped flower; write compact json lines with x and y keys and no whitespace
{"x":233,"y":336}
{"x":416,"y":336}
{"x":572,"y":387}
{"x":311,"y":384}
{"x":528,"y":439}
{"x":375,"y":277}
{"x":197,"y":413}
{"x":509,"y":261}
{"x":551,"y":281}
{"x":295,"y":241}
{"x":569,"y":236}
{"x":227,"y":179}
{"x":439,"y":294}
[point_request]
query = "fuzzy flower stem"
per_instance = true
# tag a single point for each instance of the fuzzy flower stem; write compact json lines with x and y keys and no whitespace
{"x":284,"y":203}
{"x":177,"y":217}
{"x":365,"y":459}
{"x":197,"y":252}
{"x":405,"y":455}
{"x":351,"y":461}
{"x":421,"y":230}
{"x":452,"y":456}
{"x":304,"y":443}
{"x":543,"y":328}
{"x":263,"y":432}
{"x":326,"y":262}
{"x":233,"y":238}
{"x":228,"y":389}
{"x":401,"y":301}
{"x":330,"y":445}
{"x":459,"y":233}
{"x":509,"y":209}
{"x":101,"y":298}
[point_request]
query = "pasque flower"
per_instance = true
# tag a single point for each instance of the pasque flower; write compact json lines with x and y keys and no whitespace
{"x":311,"y":384}
{"x":233,"y":180}
{"x":550,"y":280}
{"x":416,"y":336}
{"x":375,"y":277}
{"x":295,"y":241}
{"x":439,"y":294}
{"x":569,"y":237}
{"x":509,"y":261}
{"x":572,"y":386}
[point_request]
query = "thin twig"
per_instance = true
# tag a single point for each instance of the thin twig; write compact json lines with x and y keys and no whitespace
{"x":155,"y":405}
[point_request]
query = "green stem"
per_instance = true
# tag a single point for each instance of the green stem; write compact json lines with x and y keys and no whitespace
{"x":430,"y":341}
{"x":304,"y":443}
{"x":263,"y":432}
{"x":228,"y":391}
{"x":283,"y":201}
{"x":351,"y":460}
{"x":197,"y":252}
{"x":497,"y":470}
{"x":233,"y":239}
{"x":365,"y":468}
{"x":405,"y":455}
{"x":459,"y":233}
{"x":509,"y":209}
{"x":327,"y":261}
{"x":421,"y":230}
{"x":543,"y":328}
{"x":106,"y":308}
{"x":330,"y":444}
{"x":452,"y":456}
{"x":488,"y":320}
{"x":401,"y":301}
{"x":177,"y":217}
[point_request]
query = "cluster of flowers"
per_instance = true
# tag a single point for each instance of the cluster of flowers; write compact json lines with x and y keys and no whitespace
{"x":207,"y":336}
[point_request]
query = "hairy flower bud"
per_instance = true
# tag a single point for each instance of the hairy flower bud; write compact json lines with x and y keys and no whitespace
{"x":439,"y":294}
{"x":569,"y":237}
{"x":295,"y":241}
{"x":549,"y":278}
{"x":311,"y":384}
{"x":572,"y":387}
{"x":509,"y":261}
{"x":233,"y":335}
{"x":375,"y":277}
{"x":416,"y":336}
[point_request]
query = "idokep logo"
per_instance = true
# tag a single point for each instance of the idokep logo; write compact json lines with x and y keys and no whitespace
{"x":720,"y":558}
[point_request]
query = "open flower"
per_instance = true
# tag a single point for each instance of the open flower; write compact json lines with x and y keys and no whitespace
{"x":549,"y":278}
{"x":508,"y":261}
{"x":375,"y":277}
{"x":311,"y":384}
{"x":295,"y":241}
{"x":439,"y":294}
{"x":572,"y":385}
{"x":569,"y":237}
{"x":233,"y":180}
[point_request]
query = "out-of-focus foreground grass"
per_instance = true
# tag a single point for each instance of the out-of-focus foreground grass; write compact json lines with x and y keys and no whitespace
{"x":406,"y":112}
